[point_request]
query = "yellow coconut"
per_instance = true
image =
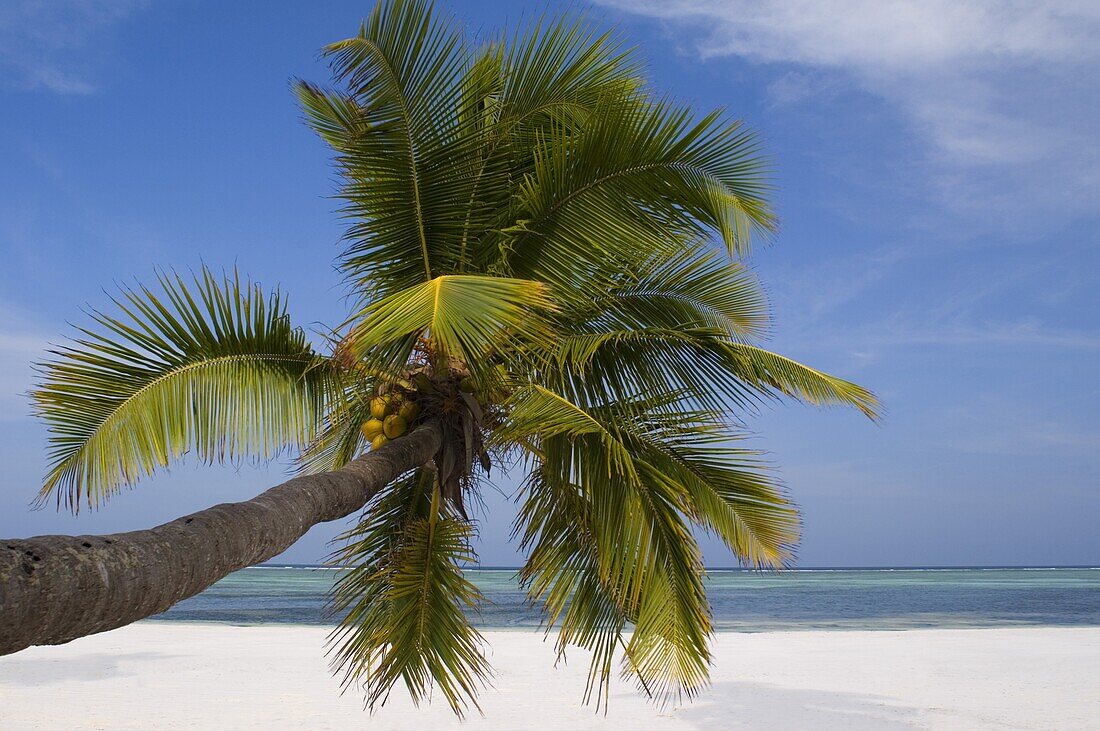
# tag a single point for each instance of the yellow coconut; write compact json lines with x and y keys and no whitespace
{"x":394,"y":426}
{"x":409,"y":411}
{"x":372,"y":428}
{"x":378,"y":441}
{"x":378,"y":406}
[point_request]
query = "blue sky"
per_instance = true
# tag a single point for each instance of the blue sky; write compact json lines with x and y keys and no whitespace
{"x":939,"y":177}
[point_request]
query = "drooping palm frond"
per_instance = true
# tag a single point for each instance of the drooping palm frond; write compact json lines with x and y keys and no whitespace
{"x":791,"y":378}
{"x":676,"y":284}
{"x":734,"y":497}
{"x":729,"y":490}
{"x":609,"y":542}
{"x":637,"y":170}
{"x":213,"y":367}
{"x":682,"y":320}
{"x":406,"y":598}
{"x":606,"y":553}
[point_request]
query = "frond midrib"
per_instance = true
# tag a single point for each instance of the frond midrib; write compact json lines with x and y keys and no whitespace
{"x":625,"y":172}
{"x":410,"y":146}
{"x":185,"y":368}
{"x":685,"y":299}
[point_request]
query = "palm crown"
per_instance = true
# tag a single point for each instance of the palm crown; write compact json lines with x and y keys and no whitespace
{"x":545,"y":259}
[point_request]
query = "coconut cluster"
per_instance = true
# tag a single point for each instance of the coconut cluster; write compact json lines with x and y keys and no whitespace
{"x":391,"y":414}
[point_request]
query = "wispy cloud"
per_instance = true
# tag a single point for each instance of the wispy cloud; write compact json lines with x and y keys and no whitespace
{"x":994,"y":425}
{"x":18,"y":350}
{"x":1007,"y":87}
{"x":1027,"y":333}
{"x":50,"y":45}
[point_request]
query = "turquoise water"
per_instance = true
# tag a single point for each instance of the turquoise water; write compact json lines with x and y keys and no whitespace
{"x":741,"y":600}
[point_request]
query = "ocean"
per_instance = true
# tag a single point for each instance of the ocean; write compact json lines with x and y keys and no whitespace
{"x":742,"y":601}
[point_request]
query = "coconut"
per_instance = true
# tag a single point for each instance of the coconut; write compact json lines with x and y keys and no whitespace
{"x":409,"y":411}
{"x":378,"y":441}
{"x":378,"y":406}
{"x":372,"y":428}
{"x":394,"y":426}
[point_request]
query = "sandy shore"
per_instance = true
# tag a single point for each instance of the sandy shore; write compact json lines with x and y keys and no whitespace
{"x":168,"y":675}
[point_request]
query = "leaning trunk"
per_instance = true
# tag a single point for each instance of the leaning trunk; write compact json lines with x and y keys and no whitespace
{"x":54,"y":589}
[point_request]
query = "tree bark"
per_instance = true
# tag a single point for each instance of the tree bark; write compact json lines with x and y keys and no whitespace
{"x":54,"y":589}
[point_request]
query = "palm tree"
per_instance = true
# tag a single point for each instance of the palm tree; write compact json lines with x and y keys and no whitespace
{"x":545,"y":259}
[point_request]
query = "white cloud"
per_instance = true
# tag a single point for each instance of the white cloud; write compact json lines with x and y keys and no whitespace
{"x":884,"y":35}
{"x":1001,"y":87}
{"x":48,"y":45}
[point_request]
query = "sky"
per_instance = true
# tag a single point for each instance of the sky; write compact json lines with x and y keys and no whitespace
{"x":938,"y":179}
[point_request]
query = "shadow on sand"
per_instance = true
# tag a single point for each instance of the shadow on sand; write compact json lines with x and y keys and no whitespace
{"x":729,"y":705}
{"x":37,"y":671}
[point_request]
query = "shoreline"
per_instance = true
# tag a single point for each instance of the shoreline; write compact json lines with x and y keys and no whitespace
{"x":187,"y":674}
{"x":856,"y":625}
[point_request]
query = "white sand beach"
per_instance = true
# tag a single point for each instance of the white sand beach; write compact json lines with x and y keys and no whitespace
{"x":178,"y":675}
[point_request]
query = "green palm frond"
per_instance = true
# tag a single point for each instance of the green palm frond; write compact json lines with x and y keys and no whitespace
{"x":555,"y":526}
{"x":689,"y":335}
{"x":406,"y":599}
{"x":465,"y":316}
{"x":392,"y":127}
{"x":213,"y":367}
{"x":560,"y":69}
{"x":340,"y":439}
{"x":732,"y":495}
{"x":730,"y":490}
{"x":681,"y":284}
{"x":552,"y":74}
{"x":768,"y":370}
{"x":638,"y":171}
{"x":536,"y":411}
{"x":610,"y":543}
{"x":605,"y":554}
{"x":683,"y":305}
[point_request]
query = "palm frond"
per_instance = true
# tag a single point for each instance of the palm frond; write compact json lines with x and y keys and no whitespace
{"x":553,"y":73}
{"x":637,"y":170}
{"x":536,"y":411}
{"x":465,"y":317}
{"x":733,"y":496}
{"x":214,"y":368}
{"x":406,"y":599}
{"x":676,"y":284}
{"x":609,"y":545}
{"x":729,"y":490}
{"x":764,"y":369}
{"x":669,"y":338}
{"x":391,"y":127}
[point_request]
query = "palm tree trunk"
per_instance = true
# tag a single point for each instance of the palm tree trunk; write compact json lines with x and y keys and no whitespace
{"x":54,"y":589}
